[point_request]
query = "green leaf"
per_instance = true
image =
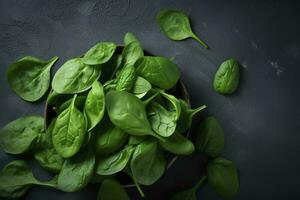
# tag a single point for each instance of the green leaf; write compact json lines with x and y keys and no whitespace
{"x":109,"y":140}
{"x":131,"y":53}
{"x":76,"y":171}
{"x":227,"y":77}
{"x":69,"y":131}
{"x":178,"y":144}
{"x":99,"y":53}
{"x":20,"y":135}
{"x":114,"y":163}
{"x":159,"y":71}
{"x":130,"y":37}
{"x":29,"y":77}
{"x":176,"y":26}
{"x":141,"y":87}
{"x":210,"y":137}
{"x":186,"y":116}
{"x":79,"y":103}
{"x":130,"y":116}
{"x":112,"y":190}
{"x":162,"y":121}
{"x":94,"y":105}
{"x":147,"y":162}
{"x":16,"y":178}
{"x":126,"y":79}
{"x":223,"y":177}
{"x":74,"y":76}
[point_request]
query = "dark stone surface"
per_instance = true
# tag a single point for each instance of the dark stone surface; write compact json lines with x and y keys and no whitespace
{"x":261,"y":120}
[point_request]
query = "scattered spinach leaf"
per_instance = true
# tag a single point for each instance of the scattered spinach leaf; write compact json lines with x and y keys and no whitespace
{"x":29,"y":77}
{"x":99,"y":54}
{"x":227,"y":77}
{"x":176,"y":25}
{"x":112,"y":190}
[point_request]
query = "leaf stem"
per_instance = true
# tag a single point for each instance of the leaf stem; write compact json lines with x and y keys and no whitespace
{"x":197,"y":186}
{"x":137,"y":185}
{"x":196,"y":110}
{"x":199,"y":40}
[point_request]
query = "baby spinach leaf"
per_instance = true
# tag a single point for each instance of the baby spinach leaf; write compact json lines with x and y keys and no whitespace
{"x":189,"y":194}
{"x":128,"y":113}
{"x":76,"y":171}
{"x":16,"y":178}
{"x":54,"y":99}
{"x":45,"y":154}
{"x":110,"y":140}
{"x":126,"y":79}
{"x":173,"y":104}
{"x":19,"y":135}
{"x":141,"y":87}
{"x":159,"y":71}
{"x":112,"y":190}
{"x":130,"y":37}
{"x":178,"y":144}
{"x":69,"y":131}
{"x":176,"y":26}
{"x":147,"y":162}
{"x":29,"y":77}
{"x":223,"y":177}
{"x":74,"y":76}
{"x":162,"y":121}
{"x":131,"y":53}
{"x":114,"y":163}
{"x":210,"y":137}
{"x":94,"y":105}
{"x":99,"y":54}
{"x":186,"y":116}
{"x":227,"y":77}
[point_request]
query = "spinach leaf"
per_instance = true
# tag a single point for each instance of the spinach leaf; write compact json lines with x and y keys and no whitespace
{"x":176,"y":26}
{"x":69,"y":131}
{"x":134,"y":139}
{"x":189,"y":194}
{"x":29,"y":77}
{"x":126,"y":79}
{"x":114,"y":163}
{"x":227,"y":77}
{"x":99,"y":54}
{"x":16,"y":178}
{"x":178,"y":144}
{"x":110,"y":140}
{"x":173,"y":104}
{"x":76,"y":171}
{"x":186,"y":116}
{"x":223,"y":177}
{"x":128,"y":113}
{"x":112,"y":190}
{"x":162,"y":121}
{"x":141,"y":87}
{"x":54,"y":99}
{"x":131,"y":53}
{"x":74,"y":76}
{"x":159,"y":71}
{"x":94,"y":105}
{"x":21,"y":134}
{"x":210,"y":137}
{"x":147,"y":162}
{"x":45,"y":154}
{"x":130,"y":37}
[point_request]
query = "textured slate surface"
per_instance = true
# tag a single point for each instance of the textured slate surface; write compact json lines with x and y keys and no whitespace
{"x":261,"y":120}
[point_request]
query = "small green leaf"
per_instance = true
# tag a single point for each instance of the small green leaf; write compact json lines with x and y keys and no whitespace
{"x":176,"y":26}
{"x":141,"y":87}
{"x":20,"y":135}
{"x":178,"y":144}
{"x":99,"y":53}
{"x":227,"y":77}
{"x":29,"y":77}
{"x":223,"y":177}
{"x":210,"y":137}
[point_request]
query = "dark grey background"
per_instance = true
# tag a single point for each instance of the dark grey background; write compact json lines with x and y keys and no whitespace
{"x":261,"y":120}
